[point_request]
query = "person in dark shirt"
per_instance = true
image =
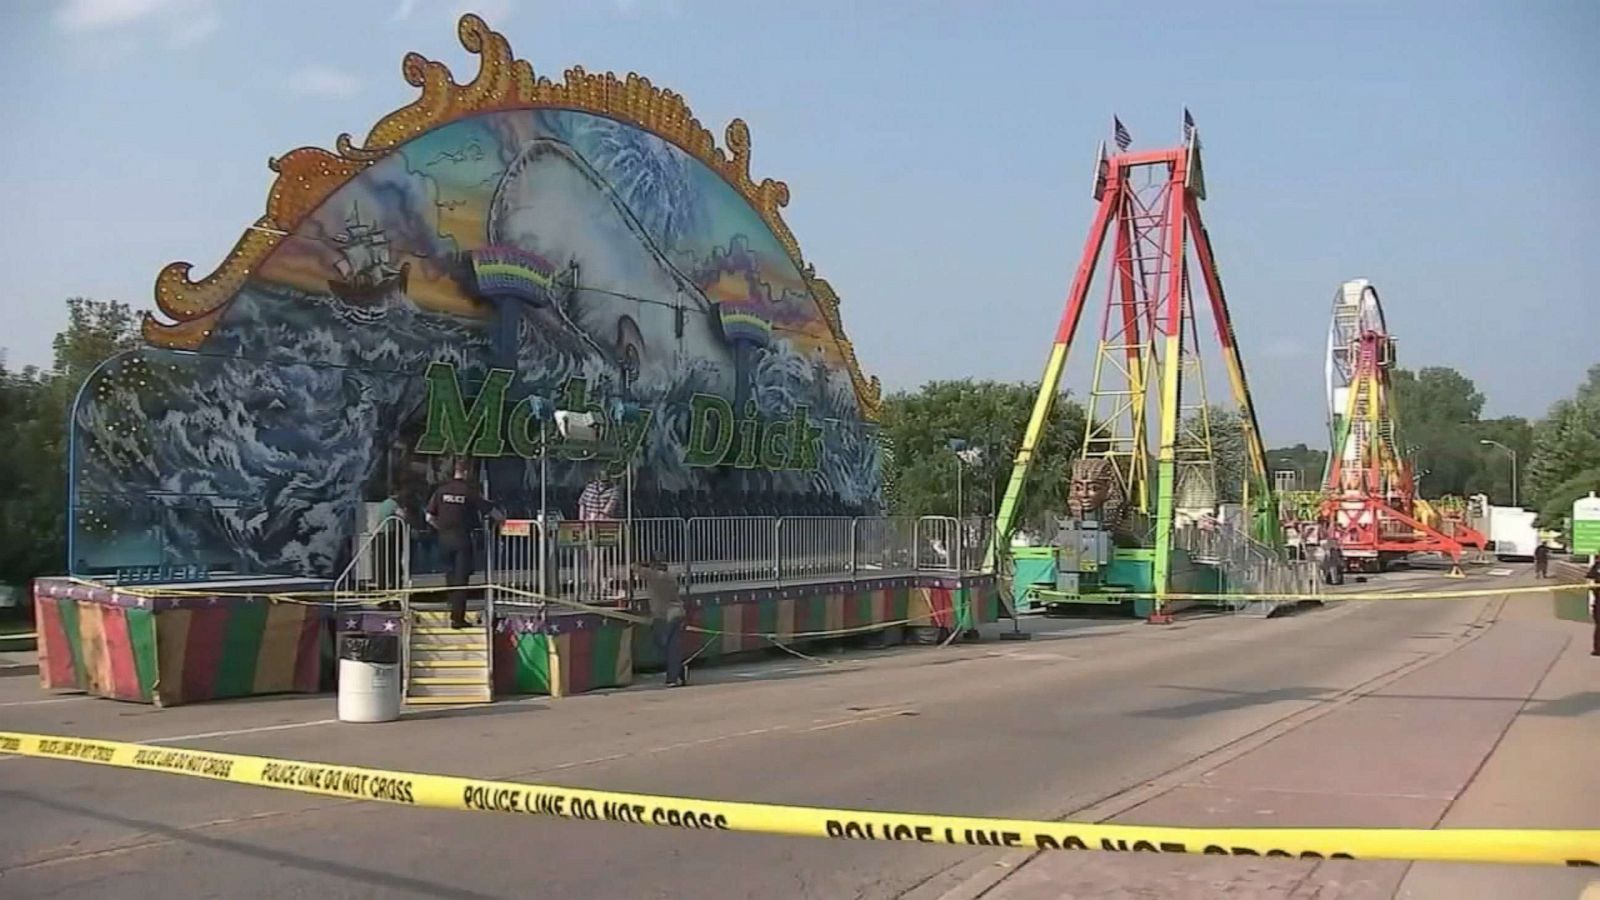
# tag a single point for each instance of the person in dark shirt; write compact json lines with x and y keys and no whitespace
{"x":667,"y":617}
{"x":1541,"y":560}
{"x":455,"y":511}
{"x":1593,"y":577}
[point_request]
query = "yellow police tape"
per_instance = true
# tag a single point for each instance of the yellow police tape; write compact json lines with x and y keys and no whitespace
{"x":1398,"y":595}
{"x":774,"y":636}
{"x":358,"y":599}
{"x":1497,"y":845}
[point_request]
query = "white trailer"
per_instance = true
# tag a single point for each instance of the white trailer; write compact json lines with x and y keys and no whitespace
{"x":1512,"y":534}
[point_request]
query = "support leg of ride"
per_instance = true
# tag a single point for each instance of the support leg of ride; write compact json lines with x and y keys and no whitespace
{"x":1455,"y":572}
{"x":1016,"y":633}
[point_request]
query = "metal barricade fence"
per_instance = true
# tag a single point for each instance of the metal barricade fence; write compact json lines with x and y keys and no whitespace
{"x":516,"y":563}
{"x":661,"y":540}
{"x":730,"y":549}
{"x":976,"y":533}
{"x":658,"y":540}
{"x":938,"y":543}
{"x":815,"y":547}
{"x":382,"y":562}
{"x":1247,"y":566}
{"x":885,"y":544}
{"x":589,"y":561}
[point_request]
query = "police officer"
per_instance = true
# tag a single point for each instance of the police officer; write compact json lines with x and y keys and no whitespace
{"x":1332,"y":560}
{"x":455,"y":511}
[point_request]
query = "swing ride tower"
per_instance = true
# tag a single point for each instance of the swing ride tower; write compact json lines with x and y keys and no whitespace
{"x":1149,"y":441}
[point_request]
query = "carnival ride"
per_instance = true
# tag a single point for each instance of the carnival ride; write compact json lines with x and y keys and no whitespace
{"x":1135,"y":536}
{"x":558,"y":278}
{"x":1370,"y":504}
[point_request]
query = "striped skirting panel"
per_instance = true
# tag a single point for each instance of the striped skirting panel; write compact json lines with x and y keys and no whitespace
{"x":238,"y":649}
{"x":571,"y":660}
{"x":735,"y":623}
{"x":105,"y":650}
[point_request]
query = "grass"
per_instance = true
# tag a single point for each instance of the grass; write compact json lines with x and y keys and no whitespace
{"x":1570,"y":605}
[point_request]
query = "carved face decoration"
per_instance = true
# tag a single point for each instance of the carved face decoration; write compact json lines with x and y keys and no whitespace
{"x":1086,"y":495}
{"x":1095,"y":492}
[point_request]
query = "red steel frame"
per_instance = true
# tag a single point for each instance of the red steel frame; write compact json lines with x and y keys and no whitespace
{"x":1162,"y":318}
{"x":1370,"y":502}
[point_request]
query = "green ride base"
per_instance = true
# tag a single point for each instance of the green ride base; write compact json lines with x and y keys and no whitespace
{"x":1131,"y":571}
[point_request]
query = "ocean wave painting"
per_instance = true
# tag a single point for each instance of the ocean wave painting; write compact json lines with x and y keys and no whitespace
{"x":565,"y":246}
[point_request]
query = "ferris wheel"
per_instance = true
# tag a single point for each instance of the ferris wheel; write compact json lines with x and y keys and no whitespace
{"x":1358,"y":418}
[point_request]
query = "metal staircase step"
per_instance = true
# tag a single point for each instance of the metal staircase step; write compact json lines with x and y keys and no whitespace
{"x":448,"y":658}
{"x":457,"y":681}
{"x":445,"y":700}
{"x":475,"y":692}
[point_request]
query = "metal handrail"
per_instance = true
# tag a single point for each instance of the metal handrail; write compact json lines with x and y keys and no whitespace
{"x":397,"y":532}
{"x":402,"y":530}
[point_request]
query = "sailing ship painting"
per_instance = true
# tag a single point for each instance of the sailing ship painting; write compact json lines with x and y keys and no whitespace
{"x":368,"y":279}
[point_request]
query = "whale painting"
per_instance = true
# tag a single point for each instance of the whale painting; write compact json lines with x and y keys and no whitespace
{"x":569,"y":246}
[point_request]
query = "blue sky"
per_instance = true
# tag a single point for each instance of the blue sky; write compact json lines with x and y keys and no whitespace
{"x":938,"y":156}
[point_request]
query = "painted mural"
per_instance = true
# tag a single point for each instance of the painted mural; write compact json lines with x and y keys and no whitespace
{"x":506,"y":246}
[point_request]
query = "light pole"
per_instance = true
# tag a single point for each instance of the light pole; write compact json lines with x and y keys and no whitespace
{"x":1488,"y":443}
{"x":956,"y":446}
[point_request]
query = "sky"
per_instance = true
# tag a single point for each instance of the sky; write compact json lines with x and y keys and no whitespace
{"x":939,"y":157}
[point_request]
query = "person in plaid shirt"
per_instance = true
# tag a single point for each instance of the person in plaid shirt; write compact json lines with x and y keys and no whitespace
{"x":597,"y":503}
{"x":598,"y":500}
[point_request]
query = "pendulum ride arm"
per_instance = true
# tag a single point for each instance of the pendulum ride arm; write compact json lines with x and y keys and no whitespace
{"x":1051,"y":382}
{"x":1269,"y":530}
{"x":1171,"y":307}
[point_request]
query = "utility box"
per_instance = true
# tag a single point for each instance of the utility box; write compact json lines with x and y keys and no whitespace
{"x":1082,"y":547}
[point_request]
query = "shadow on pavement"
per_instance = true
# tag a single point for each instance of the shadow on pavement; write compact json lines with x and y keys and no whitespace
{"x":1231,"y":700}
{"x":1570,"y":706}
{"x":385,"y":881}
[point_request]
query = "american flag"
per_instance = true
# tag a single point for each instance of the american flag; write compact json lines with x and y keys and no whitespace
{"x":1188,"y":125}
{"x":1123,"y":138}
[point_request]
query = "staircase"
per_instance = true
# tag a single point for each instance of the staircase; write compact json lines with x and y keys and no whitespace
{"x":446,"y":665}
{"x":1248,"y":567}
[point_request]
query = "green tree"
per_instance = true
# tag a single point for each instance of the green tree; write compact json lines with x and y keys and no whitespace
{"x":1437,"y":413}
{"x":1556,"y":506}
{"x":1566,"y":442}
{"x":1435,"y":394}
{"x":1493,"y":474}
{"x":1307,"y":463}
{"x":1227,"y":449}
{"x":96,"y":331}
{"x":920,"y":469}
{"x":34,"y":410}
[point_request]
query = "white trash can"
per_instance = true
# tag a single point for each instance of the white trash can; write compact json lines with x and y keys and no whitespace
{"x":369,"y":678}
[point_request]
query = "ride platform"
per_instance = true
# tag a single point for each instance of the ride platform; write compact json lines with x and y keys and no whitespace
{"x":180,"y":643}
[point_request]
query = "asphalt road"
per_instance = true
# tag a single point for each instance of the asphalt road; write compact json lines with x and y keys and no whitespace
{"x":1078,"y":721}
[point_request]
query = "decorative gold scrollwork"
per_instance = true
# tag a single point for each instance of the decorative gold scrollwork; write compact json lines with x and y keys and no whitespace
{"x":308,"y":175}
